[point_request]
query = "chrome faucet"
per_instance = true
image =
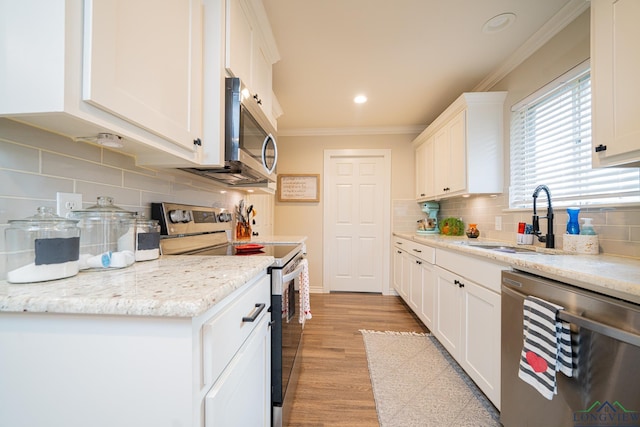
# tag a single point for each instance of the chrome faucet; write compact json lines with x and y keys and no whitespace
{"x":549,"y":238}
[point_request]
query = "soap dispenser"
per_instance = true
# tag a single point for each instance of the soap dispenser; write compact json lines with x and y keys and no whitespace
{"x":573,"y":226}
{"x":587,"y":227}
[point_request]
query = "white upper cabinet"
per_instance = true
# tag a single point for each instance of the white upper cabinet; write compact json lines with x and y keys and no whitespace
{"x":143,"y":62}
{"x":424,"y":164}
{"x":251,"y":50}
{"x":615,"y":60}
{"x":461,"y":152}
{"x":128,"y":67}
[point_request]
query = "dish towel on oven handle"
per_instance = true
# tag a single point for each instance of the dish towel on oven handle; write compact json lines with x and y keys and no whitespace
{"x":305,"y":305}
{"x":547,"y":346}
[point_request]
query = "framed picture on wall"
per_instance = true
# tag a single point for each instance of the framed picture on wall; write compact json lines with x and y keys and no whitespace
{"x":298,"y":187}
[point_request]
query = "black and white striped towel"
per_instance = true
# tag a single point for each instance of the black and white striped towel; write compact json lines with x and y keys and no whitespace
{"x":547,"y":346}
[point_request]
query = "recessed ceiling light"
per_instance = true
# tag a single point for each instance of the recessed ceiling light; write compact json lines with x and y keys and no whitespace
{"x":360,"y":99}
{"x":499,"y":23}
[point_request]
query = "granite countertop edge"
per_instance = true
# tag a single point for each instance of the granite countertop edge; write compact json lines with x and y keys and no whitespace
{"x":171,"y":286}
{"x":610,"y":275}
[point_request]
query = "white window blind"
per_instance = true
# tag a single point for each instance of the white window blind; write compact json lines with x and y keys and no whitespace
{"x":551,"y":145}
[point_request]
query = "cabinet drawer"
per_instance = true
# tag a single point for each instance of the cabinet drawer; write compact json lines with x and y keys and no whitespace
{"x":425,"y":253}
{"x":485,"y":273}
{"x":223,"y":335}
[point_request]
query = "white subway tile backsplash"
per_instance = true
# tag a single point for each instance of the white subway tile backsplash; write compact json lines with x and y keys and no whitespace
{"x":35,"y":165}
{"x":21,"y":184}
{"x":19,"y":157}
{"x":59,"y":165}
{"x":125,"y":162}
{"x":617,"y":227}
{"x":126,"y":198}
{"x":38,"y":138}
{"x":146,"y":183}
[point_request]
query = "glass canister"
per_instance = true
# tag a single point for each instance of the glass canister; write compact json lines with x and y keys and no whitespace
{"x":107,"y":237}
{"x":147,"y":239}
{"x":42,"y":247}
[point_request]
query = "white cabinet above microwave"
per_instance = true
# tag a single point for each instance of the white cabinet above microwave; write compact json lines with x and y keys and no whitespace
{"x":80,"y":68}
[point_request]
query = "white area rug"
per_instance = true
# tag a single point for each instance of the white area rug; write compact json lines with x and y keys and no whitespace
{"x":417,"y":383}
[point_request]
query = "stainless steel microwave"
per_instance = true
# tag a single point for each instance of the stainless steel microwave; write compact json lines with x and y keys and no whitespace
{"x":251,"y":151}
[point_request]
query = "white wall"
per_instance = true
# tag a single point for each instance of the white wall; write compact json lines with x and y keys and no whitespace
{"x":297,"y":154}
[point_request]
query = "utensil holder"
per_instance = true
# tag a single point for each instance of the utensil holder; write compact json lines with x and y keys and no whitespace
{"x":243,"y":231}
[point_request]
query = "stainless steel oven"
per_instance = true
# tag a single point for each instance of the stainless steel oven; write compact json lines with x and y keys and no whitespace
{"x":286,"y":336}
{"x":195,"y":230}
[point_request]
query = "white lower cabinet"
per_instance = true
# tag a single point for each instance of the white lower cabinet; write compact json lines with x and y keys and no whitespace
{"x":480,"y":333}
{"x":413,"y":277}
{"x":448,"y":311}
{"x":468,"y":316}
{"x":242,"y":394}
{"x":75,"y":370}
{"x":458,"y":298}
{"x":426,"y":306}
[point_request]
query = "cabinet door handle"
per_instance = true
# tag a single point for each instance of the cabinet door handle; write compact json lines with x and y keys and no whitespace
{"x":399,"y":251}
{"x":417,"y":250}
{"x":261,"y":306}
{"x":418,"y":262}
{"x":459,"y":283}
{"x":600,"y":148}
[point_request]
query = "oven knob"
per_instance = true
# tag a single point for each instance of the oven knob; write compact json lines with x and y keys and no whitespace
{"x":179,"y":215}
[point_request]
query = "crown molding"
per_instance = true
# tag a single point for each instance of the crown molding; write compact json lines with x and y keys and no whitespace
{"x":553,"y":26}
{"x":383,"y":130}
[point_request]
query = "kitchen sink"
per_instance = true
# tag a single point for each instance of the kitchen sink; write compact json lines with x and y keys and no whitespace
{"x":504,"y":248}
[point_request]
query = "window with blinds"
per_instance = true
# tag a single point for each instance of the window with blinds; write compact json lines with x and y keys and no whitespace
{"x":551,"y":145}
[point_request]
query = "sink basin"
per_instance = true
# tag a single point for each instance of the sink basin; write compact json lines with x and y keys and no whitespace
{"x":507,"y":249}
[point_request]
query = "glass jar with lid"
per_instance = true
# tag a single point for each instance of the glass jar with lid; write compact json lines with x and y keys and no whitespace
{"x":42,"y":247}
{"x":108,"y":235}
{"x":147,"y":239}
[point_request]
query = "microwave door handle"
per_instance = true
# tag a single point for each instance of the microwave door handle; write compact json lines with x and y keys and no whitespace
{"x":264,"y":153}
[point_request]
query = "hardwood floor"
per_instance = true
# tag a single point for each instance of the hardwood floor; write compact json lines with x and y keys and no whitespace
{"x":334,"y":388}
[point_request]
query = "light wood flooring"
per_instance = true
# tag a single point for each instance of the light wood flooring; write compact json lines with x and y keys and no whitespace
{"x":334,"y":388}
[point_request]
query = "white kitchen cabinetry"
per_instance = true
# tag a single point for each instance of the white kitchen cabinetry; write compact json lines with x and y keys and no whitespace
{"x":468,"y":316}
{"x":251,"y":50}
{"x":140,"y":371}
{"x":467,"y":141}
{"x":81,"y":68}
{"x":615,"y":59}
{"x":146,"y":67}
{"x":413,"y":278}
{"x":424,"y":168}
{"x":242,"y":395}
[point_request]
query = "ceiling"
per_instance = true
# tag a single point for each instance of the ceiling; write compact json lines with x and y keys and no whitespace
{"x":411,"y":58}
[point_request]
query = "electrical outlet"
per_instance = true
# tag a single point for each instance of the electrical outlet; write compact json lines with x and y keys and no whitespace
{"x":67,"y":202}
{"x":498,"y":223}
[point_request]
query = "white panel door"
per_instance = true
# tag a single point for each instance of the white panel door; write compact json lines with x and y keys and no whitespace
{"x":356,"y":221}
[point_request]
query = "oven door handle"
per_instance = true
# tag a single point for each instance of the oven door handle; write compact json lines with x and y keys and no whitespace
{"x":256,"y":313}
{"x":295,"y":273}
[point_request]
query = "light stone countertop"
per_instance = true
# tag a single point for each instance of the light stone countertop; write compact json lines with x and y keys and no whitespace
{"x":270,"y":240}
{"x":171,"y":286}
{"x":610,"y":275}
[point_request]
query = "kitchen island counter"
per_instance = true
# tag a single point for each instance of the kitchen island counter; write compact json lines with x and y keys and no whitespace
{"x":609,"y":275}
{"x":271,"y":240}
{"x":171,"y":286}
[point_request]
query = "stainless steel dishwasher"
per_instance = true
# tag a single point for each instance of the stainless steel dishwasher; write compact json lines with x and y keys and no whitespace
{"x":605,"y":333}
